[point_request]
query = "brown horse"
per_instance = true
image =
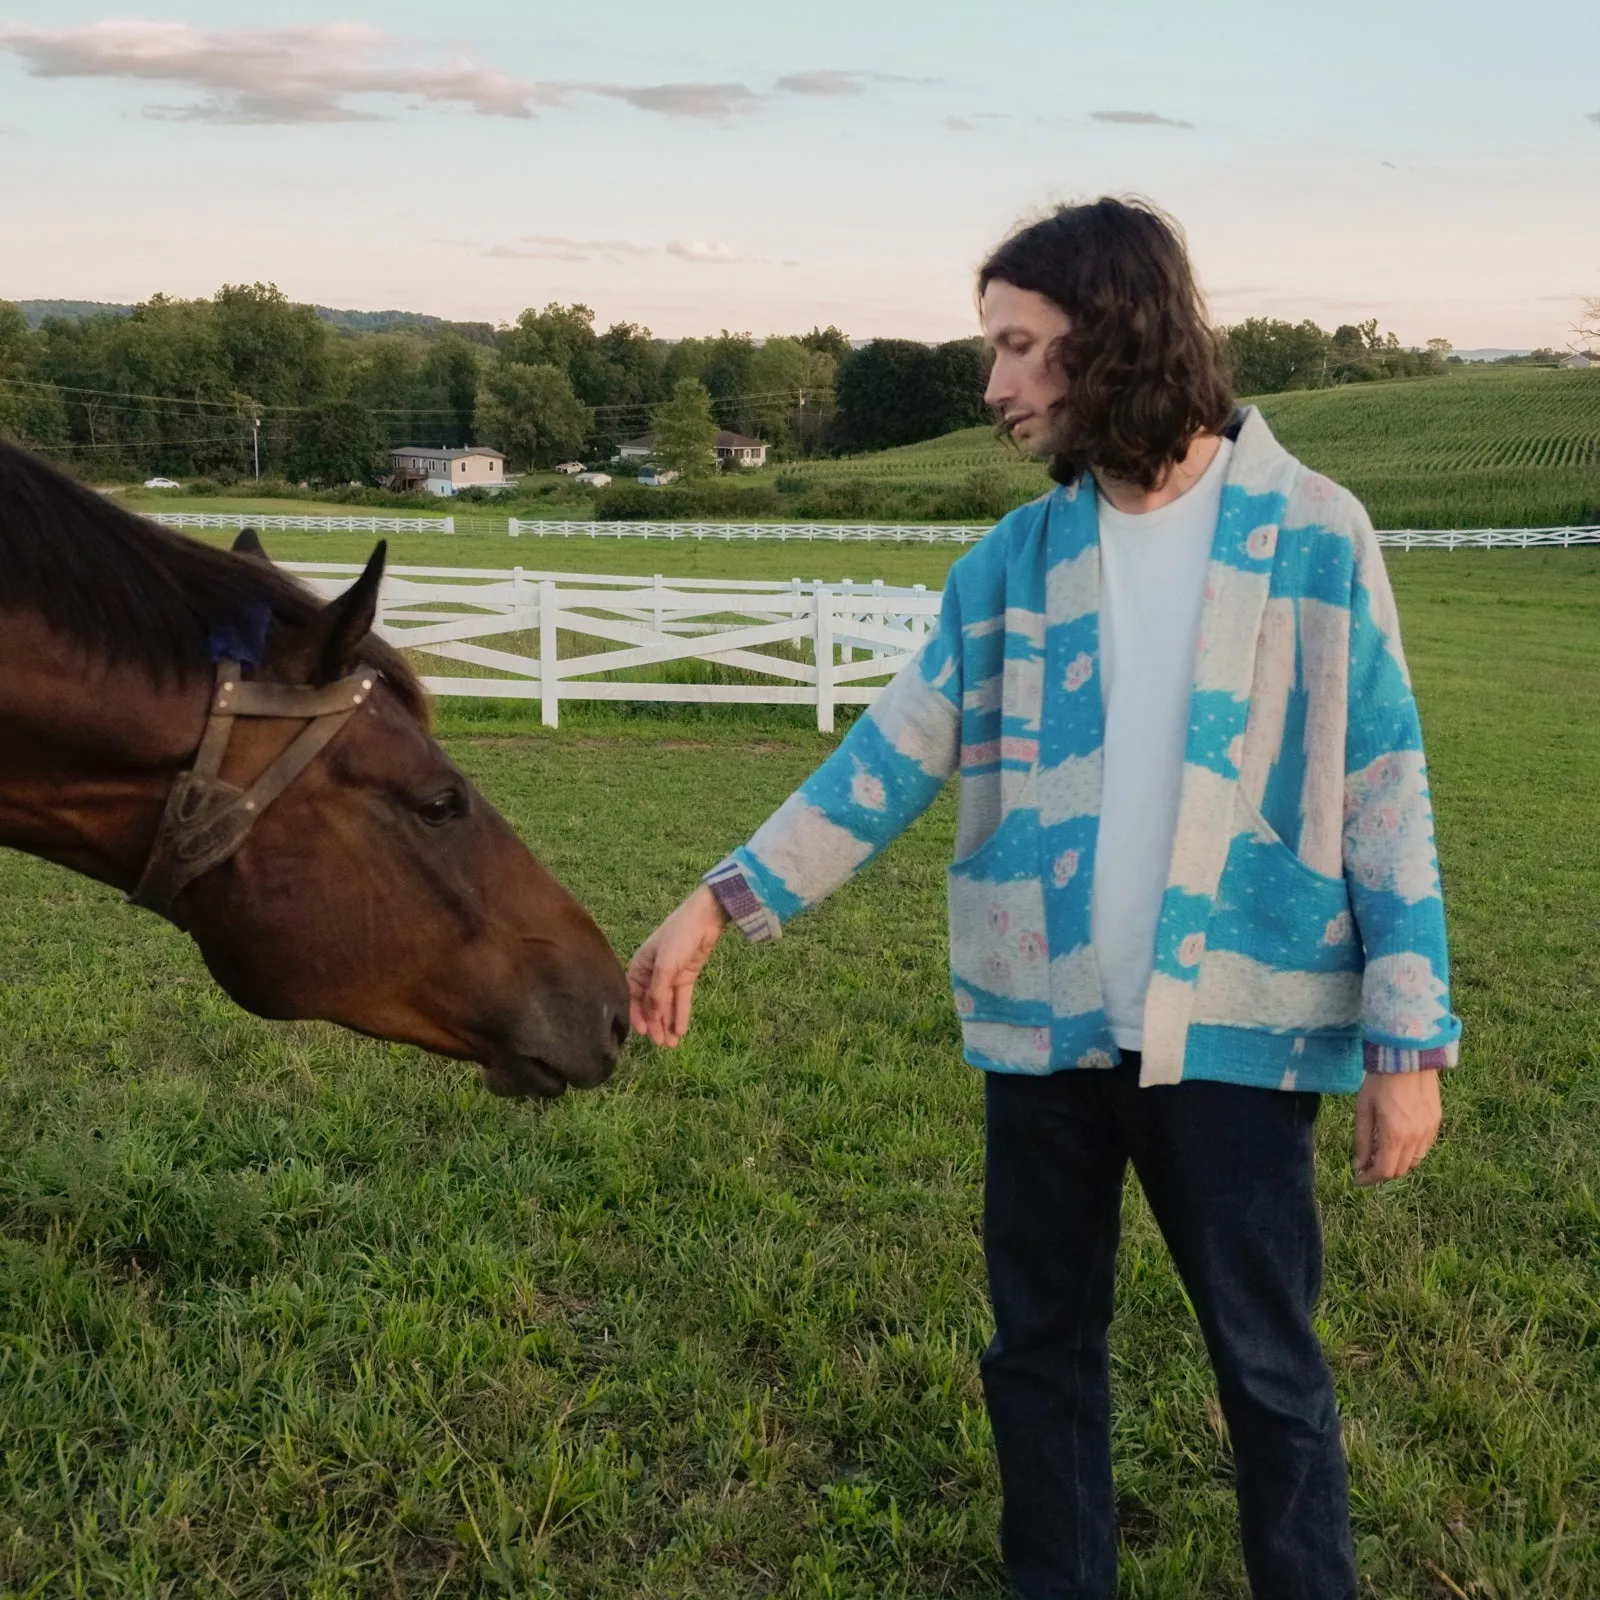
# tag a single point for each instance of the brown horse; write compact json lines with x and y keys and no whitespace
{"x":378,"y":889}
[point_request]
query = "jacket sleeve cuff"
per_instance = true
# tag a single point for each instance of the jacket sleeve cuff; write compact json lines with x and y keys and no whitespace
{"x":1388,"y":1058}
{"x":729,"y":884}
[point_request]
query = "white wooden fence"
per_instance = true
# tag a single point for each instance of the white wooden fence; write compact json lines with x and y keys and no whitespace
{"x":922,"y":533}
{"x":1487,"y":538}
{"x":808,"y":532}
{"x":797,"y":643}
{"x":830,"y":532}
{"x":253,"y":519}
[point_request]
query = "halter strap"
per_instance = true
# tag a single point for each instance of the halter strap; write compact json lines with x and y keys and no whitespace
{"x":205,"y":819}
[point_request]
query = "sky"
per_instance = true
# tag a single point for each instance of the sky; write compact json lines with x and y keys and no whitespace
{"x":699,"y":166}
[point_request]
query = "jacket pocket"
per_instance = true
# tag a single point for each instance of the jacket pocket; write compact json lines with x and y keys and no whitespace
{"x":999,"y":954}
{"x":1281,"y":950}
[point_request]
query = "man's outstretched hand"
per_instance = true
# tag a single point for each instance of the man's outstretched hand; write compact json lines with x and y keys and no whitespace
{"x":662,"y":974}
{"x":1397,"y":1120}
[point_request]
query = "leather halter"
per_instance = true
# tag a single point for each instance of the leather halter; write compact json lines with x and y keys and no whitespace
{"x":205,"y":819}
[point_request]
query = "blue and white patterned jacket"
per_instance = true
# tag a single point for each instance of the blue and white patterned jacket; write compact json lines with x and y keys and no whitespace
{"x":1302,"y":919}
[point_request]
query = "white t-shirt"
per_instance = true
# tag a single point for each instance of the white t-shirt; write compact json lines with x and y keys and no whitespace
{"x":1152,"y":590}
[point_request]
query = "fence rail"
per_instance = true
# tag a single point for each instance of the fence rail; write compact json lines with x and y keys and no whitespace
{"x":797,"y":643}
{"x":253,"y":519}
{"x":820,"y":532}
{"x":808,"y":532}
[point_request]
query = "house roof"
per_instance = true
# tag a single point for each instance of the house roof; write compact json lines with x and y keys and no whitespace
{"x":728,"y":440}
{"x":449,"y":455}
{"x":645,"y":441}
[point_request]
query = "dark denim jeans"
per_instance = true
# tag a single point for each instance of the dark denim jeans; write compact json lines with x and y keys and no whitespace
{"x":1228,"y":1173}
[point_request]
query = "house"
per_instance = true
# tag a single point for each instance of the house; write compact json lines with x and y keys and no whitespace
{"x":655,"y":477}
{"x":734,"y":450}
{"x":446,"y":472}
{"x":731,"y":449}
{"x":1578,"y":362}
{"x":570,"y":467}
{"x":595,"y":480}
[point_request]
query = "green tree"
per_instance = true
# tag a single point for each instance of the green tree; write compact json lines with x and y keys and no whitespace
{"x":1267,"y":355}
{"x":685,"y":431}
{"x":531,"y":413}
{"x":562,"y":337}
{"x":335,"y":441}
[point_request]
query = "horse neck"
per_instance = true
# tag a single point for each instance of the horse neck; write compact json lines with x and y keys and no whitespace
{"x":88,"y":751}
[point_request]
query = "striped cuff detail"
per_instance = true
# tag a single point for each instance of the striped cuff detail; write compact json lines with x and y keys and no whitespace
{"x":745,"y":910}
{"x":1390,"y":1058}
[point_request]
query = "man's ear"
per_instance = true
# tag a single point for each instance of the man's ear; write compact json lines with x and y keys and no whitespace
{"x":249,"y":544}
{"x":326,"y":646}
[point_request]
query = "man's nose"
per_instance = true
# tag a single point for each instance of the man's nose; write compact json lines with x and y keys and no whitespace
{"x":997,"y":391}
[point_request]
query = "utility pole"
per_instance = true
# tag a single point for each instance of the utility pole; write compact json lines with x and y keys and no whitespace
{"x":255,"y":442}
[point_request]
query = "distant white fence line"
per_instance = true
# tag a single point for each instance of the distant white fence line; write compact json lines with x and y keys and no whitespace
{"x":812,"y":532}
{"x":252,"y":519}
{"x":829,"y":532}
{"x":1487,"y":538}
{"x":806,"y":643}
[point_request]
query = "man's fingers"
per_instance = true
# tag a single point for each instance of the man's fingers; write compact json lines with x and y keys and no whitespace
{"x":682,"y":997}
{"x":1364,"y":1146}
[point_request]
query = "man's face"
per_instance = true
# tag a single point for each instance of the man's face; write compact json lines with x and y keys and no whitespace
{"x":1027,"y":383}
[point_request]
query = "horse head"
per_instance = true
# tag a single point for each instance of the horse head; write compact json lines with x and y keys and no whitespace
{"x":382,"y":891}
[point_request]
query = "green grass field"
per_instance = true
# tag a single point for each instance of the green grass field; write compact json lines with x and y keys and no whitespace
{"x":287,"y":1313}
{"x":1479,"y":447}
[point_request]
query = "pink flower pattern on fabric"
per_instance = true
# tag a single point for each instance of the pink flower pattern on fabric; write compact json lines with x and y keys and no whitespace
{"x":1095,"y":1060}
{"x":1065,"y":868}
{"x":1191,"y":949}
{"x":1388,"y":828}
{"x":1262,"y":542}
{"x":1032,"y":947}
{"x":1405,"y":993}
{"x":964,"y":1003}
{"x":866,"y":789}
{"x":999,"y":919}
{"x":1079,"y":670}
{"x":1340,"y":929}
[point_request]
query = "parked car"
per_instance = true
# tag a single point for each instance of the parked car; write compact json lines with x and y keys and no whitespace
{"x":595,"y":480}
{"x":162,"y":483}
{"x":569,"y":467}
{"x":654,"y":477}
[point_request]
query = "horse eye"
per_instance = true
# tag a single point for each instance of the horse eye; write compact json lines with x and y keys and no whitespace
{"x":443,"y":808}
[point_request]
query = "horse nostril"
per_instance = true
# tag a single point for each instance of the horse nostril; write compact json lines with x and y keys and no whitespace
{"x":619,"y":1029}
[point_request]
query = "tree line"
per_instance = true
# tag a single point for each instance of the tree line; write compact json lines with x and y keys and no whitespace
{"x":248,"y":379}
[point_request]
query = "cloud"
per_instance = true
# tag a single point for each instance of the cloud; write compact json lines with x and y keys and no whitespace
{"x":1390,"y":165}
{"x":557,"y":247}
{"x":1592,"y":116}
{"x":702,"y":253}
{"x":831,"y":81}
{"x":710,"y":100}
{"x":308,"y":73}
{"x":1143,"y":119}
{"x":959,"y":124}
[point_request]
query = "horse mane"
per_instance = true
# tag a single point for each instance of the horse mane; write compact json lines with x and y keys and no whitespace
{"x":131,"y":591}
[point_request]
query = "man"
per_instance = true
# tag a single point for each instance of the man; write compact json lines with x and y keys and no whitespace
{"x":1195,"y":886}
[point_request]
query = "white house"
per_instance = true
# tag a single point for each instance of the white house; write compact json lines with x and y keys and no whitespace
{"x":446,"y":472}
{"x":1576,"y":362}
{"x":734,"y":450}
{"x":731,"y":449}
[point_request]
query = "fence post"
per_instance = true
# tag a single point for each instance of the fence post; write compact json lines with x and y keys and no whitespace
{"x":513,"y":527}
{"x":450,"y":524}
{"x":658,"y":583}
{"x":919,"y":623}
{"x":549,"y":708}
{"x":846,"y":653}
{"x":822,"y":642}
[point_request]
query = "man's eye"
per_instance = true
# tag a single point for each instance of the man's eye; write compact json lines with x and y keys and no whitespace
{"x":443,"y":808}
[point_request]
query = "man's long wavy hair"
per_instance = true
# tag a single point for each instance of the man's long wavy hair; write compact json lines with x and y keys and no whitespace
{"x":1144,"y":370}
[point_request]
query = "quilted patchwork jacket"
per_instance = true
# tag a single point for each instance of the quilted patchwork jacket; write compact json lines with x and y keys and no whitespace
{"x":1302,"y":930}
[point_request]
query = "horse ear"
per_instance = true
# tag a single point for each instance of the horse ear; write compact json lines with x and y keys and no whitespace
{"x":325,"y":647}
{"x":249,"y":544}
